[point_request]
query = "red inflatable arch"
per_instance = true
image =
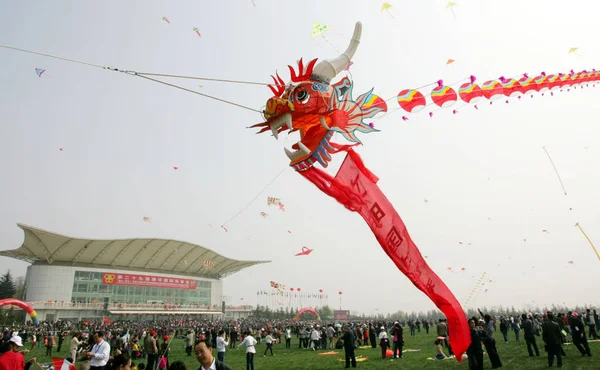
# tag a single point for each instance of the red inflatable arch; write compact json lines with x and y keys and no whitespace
{"x":310,"y":310}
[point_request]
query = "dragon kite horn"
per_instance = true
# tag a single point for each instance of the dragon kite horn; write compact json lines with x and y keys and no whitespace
{"x":326,"y":70}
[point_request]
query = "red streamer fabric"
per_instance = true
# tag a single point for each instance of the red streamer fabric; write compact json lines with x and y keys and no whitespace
{"x":356,"y":188}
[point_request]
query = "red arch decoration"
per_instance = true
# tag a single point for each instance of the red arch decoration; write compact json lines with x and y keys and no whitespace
{"x":310,"y":310}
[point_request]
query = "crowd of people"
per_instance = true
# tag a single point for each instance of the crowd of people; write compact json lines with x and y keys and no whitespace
{"x":102,"y":346}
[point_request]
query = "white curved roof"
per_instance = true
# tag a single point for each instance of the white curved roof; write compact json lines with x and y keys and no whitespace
{"x":147,"y":255}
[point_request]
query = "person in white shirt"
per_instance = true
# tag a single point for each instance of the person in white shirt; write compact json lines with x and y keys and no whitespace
{"x":75,"y":343}
{"x":288,"y":337}
{"x":221,"y":346}
{"x":250,"y":344}
{"x":315,"y":337}
{"x":269,"y":342}
{"x":100,"y":352}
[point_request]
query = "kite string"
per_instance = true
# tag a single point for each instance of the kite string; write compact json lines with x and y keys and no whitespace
{"x":133,"y":73}
{"x":588,"y":239}
{"x":555,"y":170}
{"x":255,"y":197}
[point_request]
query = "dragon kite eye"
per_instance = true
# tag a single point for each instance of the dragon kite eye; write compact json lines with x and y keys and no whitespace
{"x":302,"y":96}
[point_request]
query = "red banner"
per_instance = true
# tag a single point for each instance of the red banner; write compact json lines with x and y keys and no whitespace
{"x":356,"y":188}
{"x":112,"y":278}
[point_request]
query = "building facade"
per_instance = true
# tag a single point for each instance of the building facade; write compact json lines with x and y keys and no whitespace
{"x":78,"y":279}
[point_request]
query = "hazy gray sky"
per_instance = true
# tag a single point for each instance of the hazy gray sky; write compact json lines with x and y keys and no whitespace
{"x":484,"y":173}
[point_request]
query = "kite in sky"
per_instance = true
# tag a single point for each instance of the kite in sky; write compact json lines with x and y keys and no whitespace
{"x":175,"y":168}
{"x":264,"y":214}
{"x":573,"y":51}
{"x":451,"y":5}
{"x":318,"y":107}
{"x":147,"y":219}
{"x":588,"y":239}
{"x":61,"y":149}
{"x":450,"y":61}
{"x":281,"y":207}
{"x":197,"y":31}
{"x":385,"y":7}
{"x":166,"y":20}
{"x":272,"y":201}
{"x":39,"y":71}
{"x":305,"y":252}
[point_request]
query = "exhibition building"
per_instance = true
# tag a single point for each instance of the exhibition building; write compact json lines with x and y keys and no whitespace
{"x":76,"y":279}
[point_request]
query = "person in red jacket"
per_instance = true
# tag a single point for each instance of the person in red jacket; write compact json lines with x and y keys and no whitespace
{"x":13,"y":360}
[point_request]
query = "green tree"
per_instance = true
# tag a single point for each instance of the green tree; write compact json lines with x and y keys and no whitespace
{"x":7,"y":286}
{"x":326,"y":313}
{"x":19,"y":287}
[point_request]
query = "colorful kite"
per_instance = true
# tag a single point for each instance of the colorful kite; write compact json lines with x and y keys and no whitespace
{"x":166,"y":20}
{"x":147,"y":219}
{"x":316,"y":108}
{"x":264,"y":214}
{"x":272,"y":201}
{"x":39,"y":72}
{"x":305,"y":252}
{"x":198,"y":33}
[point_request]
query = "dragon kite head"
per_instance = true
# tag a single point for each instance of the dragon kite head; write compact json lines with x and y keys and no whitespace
{"x":310,"y":105}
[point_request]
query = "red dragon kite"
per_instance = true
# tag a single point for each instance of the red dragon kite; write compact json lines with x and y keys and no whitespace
{"x":315,"y":108}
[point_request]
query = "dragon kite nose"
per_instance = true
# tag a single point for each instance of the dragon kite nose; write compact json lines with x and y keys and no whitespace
{"x":276,"y":106}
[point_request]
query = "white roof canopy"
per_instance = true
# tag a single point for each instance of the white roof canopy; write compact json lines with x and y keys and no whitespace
{"x":147,"y":255}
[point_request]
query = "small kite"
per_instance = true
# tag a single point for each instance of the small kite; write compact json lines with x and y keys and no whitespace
{"x":450,"y":61}
{"x":305,"y":252}
{"x":318,"y":29}
{"x":61,"y":149}
{"x":451,"y":5}
{"x":570,"y":262}
{"x":166,"y":20}
{"x":463,"y":269}
{"x":264,"y":214}
{"x":386,"y":8}
{"x":197,"y":31}
{"x":573,"y":51}
{"x":147,"y":219}
{"x":224,"y":228}
{"x":281,"y":207}
{"x":450,"y":269}
{"x":39,"y":72}
{"x":175,"y":168}
{"x":273,"y":201}
{"x":545,"y":231}
{"x":425,"y":201}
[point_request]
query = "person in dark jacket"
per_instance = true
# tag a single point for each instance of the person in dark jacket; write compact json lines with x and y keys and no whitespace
{"x":475,"y":352}
{"x":206,"y":359}
{"x":578,"y":333}
{"x":373,"y":335}
{"x":398,"y":338}
{"x":488,"y":340}
{"x":552,"y":337}
{"x":527,"y":325}
{"x":348,"y":339}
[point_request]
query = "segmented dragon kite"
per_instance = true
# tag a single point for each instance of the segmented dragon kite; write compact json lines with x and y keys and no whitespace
{"x":316,"y":109}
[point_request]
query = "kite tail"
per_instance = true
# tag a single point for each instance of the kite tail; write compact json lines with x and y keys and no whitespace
{"x":356,"y":188}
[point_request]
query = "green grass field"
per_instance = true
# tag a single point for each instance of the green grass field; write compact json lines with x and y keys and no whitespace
{"x":513,"y":356}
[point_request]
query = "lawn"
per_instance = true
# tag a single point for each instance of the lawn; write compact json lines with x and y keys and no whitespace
{"x":513,"y":355}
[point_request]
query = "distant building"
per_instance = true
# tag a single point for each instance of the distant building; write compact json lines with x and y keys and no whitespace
{"x":76,"y":279}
